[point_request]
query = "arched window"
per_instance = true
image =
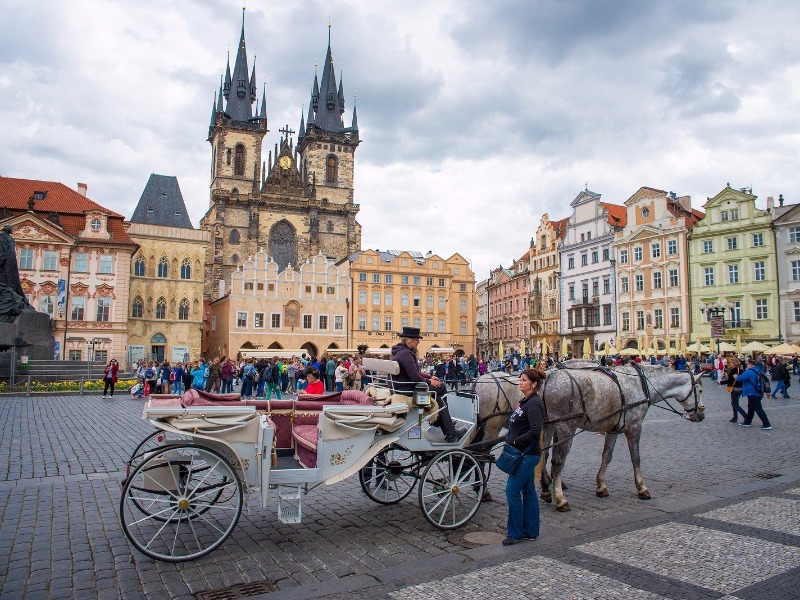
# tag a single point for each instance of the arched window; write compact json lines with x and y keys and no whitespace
{"x":163,"y":268}
{"x":233,"y":238}
{"x":235,"y":259}
{"x":138,"y":266}
{"x":331,"y":165}
{"x":161,"y":308}
{"x":183,"y":310}
{"x":137,"y":308}
{"x":238,"y":161}
{"x":186,"y":269}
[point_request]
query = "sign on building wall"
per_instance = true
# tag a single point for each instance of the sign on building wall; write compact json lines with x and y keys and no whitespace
{"x":717,"y":327}
{"x":180,"y":354}
{"x":135,"y":353}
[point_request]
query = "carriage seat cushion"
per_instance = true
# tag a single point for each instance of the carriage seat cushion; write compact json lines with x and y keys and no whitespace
{"x":306,"y":436}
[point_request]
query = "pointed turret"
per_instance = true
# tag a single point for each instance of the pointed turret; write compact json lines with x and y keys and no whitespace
{"x":242,"y":93}
{"x":263,"y":114}
{"x":253,"y":82}
{"x":213,"y":110}
{"x":340,"y":93}
{"x":220,"y":108}
{"x":315,"y":91}
{"x":227,"y":87}
{"x":354,"y":126}
{"x":302,"y":130}
{"x":310,"y":119}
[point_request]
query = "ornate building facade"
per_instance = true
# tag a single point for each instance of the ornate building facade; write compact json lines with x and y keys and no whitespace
{"x":786,"y":227}
{"x":395,"y":289}
{"x":508,"y":308}
{"x":74,"y":261}
{"x":268,"y":308}
{"x":544,"y":273}
{"x":296,"y":204}
{"x":482,"y":319}
{"x":733,"y":272}
{"x":166,"y":294}
{"x":652,"y":265}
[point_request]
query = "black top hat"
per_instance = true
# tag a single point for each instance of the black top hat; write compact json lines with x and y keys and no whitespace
{"x":410,"y":332}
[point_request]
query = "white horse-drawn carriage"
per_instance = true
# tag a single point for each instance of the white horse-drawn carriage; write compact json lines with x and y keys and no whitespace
{"x":187,"y":482}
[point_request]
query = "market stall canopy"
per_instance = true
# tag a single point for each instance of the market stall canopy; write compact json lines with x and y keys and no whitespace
{"x":629,"y":352}
{"x":726,"y":347}
{"x":696,"y":348}
{"x":755,"y":347}
{"x":782,"y":349}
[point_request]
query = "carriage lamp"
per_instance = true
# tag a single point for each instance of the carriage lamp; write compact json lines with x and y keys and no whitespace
{"x":422,"y":397}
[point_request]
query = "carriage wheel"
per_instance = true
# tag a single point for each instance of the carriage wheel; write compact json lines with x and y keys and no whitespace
{"x":451,"y":489}
{"x":150,"y":443}
{"x":192,"y":499}
{"x":390,"y":476}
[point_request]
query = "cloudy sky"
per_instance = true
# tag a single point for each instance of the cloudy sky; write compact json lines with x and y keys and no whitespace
{"x":476,"y":117}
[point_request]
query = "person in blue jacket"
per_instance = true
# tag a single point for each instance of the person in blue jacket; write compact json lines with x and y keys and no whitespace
{"x":753,"y":386}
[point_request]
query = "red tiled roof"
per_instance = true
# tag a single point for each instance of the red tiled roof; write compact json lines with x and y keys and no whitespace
{"x":617,"y":215}
{"x":69,"y":204}
{"x":525,"y":256}
{"x":560,"y":227}
{"x":14,"y":194}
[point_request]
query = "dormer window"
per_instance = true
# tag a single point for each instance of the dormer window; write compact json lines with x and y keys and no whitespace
{"x":95,"y":224}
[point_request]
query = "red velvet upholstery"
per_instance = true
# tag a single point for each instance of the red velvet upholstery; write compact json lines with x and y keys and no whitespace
{"x":305,"y":438}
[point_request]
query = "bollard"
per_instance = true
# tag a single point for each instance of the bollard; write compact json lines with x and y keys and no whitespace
{"x":80,"y":386}
{"x":28,"y":387}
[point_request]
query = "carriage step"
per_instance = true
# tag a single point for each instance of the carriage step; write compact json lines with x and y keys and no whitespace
{"x":290,"y":503}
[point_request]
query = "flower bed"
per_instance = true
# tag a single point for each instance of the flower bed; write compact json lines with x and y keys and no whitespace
{"x":63,"y":386}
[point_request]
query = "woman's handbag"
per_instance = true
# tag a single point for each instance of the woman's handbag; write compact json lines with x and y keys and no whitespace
{"x":509,"y":460}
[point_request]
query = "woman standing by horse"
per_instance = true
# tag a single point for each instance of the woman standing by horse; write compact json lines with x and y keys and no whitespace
{"x":524,"y":429}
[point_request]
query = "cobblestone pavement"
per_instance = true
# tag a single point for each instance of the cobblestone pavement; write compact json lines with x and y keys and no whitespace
{"x":723,"y":521}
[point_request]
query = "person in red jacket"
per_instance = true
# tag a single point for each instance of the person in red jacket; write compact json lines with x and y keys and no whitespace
{"x":110,"y":377}
{"x":314,"y":385}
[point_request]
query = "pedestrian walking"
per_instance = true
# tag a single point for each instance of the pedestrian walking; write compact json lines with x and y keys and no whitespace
{"x":110,"y":377}
{"x":780,"y":376}
{"x":735,"y":390}
{"x":524,"y":429}
{"x":754,"y":382}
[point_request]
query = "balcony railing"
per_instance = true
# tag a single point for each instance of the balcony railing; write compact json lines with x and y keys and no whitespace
{"x":738,"y":324}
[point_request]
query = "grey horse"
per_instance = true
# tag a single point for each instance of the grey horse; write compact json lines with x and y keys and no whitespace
{"x":609,"y":401}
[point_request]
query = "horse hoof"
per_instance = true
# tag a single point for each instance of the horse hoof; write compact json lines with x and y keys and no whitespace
{"x":547,"y":497}
{"x":602,"y":493}
{"x":487,"y":497}
{"x":564,"y":486}
{"x":563,"y":508}
{"x":645,"y":495}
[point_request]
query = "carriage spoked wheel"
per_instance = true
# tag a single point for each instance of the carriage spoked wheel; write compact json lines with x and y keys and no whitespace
{"x":451,"y":489}
{"x":180,"y":503}
{"x":390,"y":476}
{"x":150,"y":443}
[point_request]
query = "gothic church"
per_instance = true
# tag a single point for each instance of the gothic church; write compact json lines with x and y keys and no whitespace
{"x":296,"y":204}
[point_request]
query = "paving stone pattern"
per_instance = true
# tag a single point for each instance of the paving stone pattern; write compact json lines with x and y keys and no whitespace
{"x":61,"y":460}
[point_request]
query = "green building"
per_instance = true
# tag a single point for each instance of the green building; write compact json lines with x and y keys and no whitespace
{"x":732,"y":270}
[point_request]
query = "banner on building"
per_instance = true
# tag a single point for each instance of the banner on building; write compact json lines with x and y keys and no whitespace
{"x":180,"y":354}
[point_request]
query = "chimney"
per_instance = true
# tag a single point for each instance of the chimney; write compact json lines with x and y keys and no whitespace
{"x":82,"y":187}
{"x":221,"y":293}
{"x":770,"y":202}
{"x":685,"y":202}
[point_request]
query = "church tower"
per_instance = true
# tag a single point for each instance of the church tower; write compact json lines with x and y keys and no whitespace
{"x":295,"y":205}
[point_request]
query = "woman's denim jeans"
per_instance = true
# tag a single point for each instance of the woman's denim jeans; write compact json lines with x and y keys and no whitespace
{"x":523,"y":505}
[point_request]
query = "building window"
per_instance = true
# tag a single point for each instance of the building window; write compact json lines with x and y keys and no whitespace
{"x":462,"y":306}
{"x":137,"y":308}
{"x":416,"y":299}
{"x":163,"y":268}
{"x":571,"y":262}
{"x":606,"y":285}
{"x":441,"y":325}
{"x":387,"y":323}
{"x":442,"y":302}
{"x":732,"y":243}
{"x":572,"y":291}
{"x":387,"y":279}
{"x":238,"y":161}
{"x":416,"y":322}
{"x":80,"y":262}
{"x":595,"y":256}
{"x":403,"y":299}
{"x":248,"y":285}
{"x":708,"y":247}
{"x":441,"y":281}
{"x":761,"y":309}
{"x":794,"y":235}
{"x":796,"y":270}
{"x":26,"y":259}
{"x":428,"y":300}
{"x":403,"y":279}
{"x":595,"y":288}
{"x":46,"y":305}
{"x":584,"y":259}
{"x":760,"y":270}
{"x":637,"y":253}
{"x":307,"y":322}
{"x":241,"y":319}
{"x":673,"y":278}
{"x":105,"y":264}
{"x":362,"y":297}
{"x":376,"y":323}
{"x":161,"y":308}
{"x":734,"y":214}
{"x":331,"y":166}
{"x":416,"y":280}
{"x":387,"y":298}
{"x":758,"y":240}
{"x":626,"y":321}
{"x":213,"y":323}
{"x":672,"y":247}
{"x":275,"y":320}
{"x":429,"y":325}
{"x":657,"y":280}
{"x":623,"y":257}
{"x":796,"y":306}
{"x":724,"y":215}
{"x":404,"y":322}
{"x":183,"y":310}
{"x":186,"y":269}
{"x":639,"y":282}
{"x":708,"y":274}
{"x":376,"y":298}
{"x":376,"y":278}
{"x":362,"y":277}
{"x":639,"y":320}
{"x":338,"y":322}
{"x":462,"y":287}
{"x":623,"y":285}
{"x":50,"y":260}
{"x":655,"y":250}
{"x":103,"y":309}
{"x":362,"y":323}
{"x":463,"y":328}
{"x":675,"y":317}
{"x":78,"y":305}
{"x":429,"y":281}
{"x":323,"y":322}
{"x":733,"y":273}
{"x":606,"y":314}
{"x":139,"y":266}
{"x":658,"y":318}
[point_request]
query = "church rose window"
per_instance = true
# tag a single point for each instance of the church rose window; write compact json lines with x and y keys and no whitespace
{"x":282,"y":244}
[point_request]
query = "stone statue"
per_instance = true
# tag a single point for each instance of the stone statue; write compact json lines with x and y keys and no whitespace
{"x":12,"y":298}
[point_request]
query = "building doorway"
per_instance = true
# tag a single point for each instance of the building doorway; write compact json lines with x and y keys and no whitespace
{"x":157,"y":344}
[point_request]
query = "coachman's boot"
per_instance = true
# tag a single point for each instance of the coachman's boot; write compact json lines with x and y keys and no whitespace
{"x":445,"y":422}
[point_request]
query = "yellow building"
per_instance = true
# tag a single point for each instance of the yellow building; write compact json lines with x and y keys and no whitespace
{"x":166,"y":295}
{"x":395,"y":289}
{"x":303,"y":310}
{"x":543,"y":287}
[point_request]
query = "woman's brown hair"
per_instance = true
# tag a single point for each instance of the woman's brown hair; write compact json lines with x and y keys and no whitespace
{"x":535,"y":376}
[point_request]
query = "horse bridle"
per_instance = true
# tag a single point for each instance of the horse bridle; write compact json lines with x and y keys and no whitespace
{"x":687,"y":413}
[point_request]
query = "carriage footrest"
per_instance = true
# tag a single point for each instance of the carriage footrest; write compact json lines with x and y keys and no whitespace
{"x":290,"y":503}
